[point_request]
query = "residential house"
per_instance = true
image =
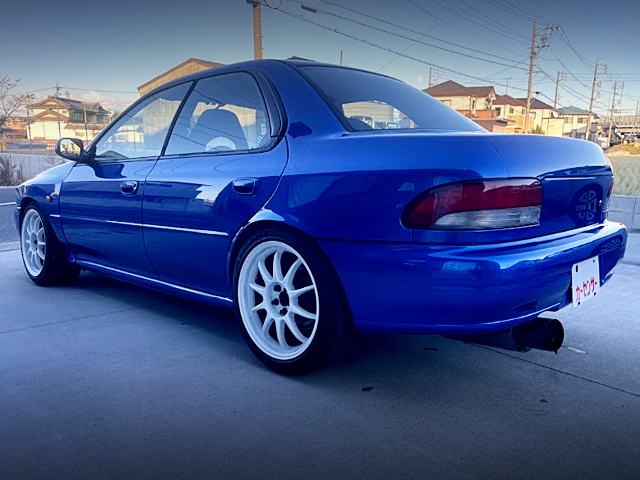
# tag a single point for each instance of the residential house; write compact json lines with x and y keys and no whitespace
{"x":193,"y":65}
{"x":512,"y":110}
{"x":57,"y":117}
{"x":466,"y":100}
{"x":545,"y":117}
{"x":575,"y":122}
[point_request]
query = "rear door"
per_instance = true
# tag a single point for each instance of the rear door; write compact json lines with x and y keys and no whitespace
{"x":222,"y":163}
{"x":101,"y":201}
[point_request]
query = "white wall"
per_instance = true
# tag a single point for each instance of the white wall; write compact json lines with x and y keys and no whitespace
{"x":32,"y":165}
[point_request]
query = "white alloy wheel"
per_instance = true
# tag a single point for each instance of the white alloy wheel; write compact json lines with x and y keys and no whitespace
{"x":278,"y":300}
{"x":33,"y":242}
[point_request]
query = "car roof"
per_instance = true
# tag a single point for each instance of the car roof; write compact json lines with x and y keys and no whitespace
{"x":257,"y":64}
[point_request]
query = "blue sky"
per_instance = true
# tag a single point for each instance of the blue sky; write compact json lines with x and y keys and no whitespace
{"x":112,"y":47}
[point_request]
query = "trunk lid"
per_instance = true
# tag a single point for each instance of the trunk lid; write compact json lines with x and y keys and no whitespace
{"x":576,"y":180}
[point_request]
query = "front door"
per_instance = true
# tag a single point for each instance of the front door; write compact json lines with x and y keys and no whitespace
{"x":101,"y":200}
{"x":220,"y":167}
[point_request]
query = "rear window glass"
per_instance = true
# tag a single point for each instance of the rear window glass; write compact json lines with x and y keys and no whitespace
{"x":367,"y":101}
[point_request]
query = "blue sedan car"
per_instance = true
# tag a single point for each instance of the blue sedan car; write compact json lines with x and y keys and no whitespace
{"x":259,"y":187}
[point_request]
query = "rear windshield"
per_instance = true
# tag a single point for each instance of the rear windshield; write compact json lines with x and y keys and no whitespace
{"x":367,"y":101}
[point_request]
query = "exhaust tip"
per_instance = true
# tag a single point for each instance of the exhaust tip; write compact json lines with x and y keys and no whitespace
{"x":554,"y":335}
{"x":541,"y":333}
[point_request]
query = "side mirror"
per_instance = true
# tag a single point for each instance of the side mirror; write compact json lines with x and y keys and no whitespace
{"x":71,"y":149}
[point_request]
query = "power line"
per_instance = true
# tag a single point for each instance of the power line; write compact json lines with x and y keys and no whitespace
{"x":566,"y":69}
{"x":423,"y":34}
{"x":375,"y":45}
{"x":490,"y":20}
{"x":513,"y":10}
{"x":456,"y":27}
{"x":476,"y":23}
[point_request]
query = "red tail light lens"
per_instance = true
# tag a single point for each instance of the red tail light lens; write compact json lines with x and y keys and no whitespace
{"x":481,"y":205}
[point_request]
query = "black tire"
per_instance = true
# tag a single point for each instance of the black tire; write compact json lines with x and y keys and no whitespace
{"x":335,"y":331}
{"x":56,"y":270}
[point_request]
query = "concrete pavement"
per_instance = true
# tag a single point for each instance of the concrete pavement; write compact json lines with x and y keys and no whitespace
{"x":7,"y":194}
{"x":105,"y":380}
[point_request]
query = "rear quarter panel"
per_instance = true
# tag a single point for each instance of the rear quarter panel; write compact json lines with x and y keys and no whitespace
{"x":353,"y":186}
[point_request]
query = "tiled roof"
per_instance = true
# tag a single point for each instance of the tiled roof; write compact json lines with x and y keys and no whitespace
{"x":205,"y":63}
{"x":453,"y":89}
{"x":537,"y":104}
{"x":93,"y":107}
{"x":508,"y":100}
{"x":574,"y":111}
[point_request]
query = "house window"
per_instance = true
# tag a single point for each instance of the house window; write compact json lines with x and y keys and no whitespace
{"x":511,"y":110}
{"x":582,"y":120}
{"x":498,"y":111}
{"x":568,"y":119}
{"x":447,"y":102}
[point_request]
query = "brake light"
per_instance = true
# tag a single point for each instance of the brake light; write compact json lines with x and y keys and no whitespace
{"x":477,"y":205}
{"x":607,"y":199}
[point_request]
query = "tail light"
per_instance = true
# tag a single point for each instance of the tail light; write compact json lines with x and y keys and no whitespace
{"x":607,"y":199}
{"x":477,"y":205}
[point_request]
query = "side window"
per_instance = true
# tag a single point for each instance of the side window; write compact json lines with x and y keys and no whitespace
{"x":224,"y":113}
{"x":141,"y":133}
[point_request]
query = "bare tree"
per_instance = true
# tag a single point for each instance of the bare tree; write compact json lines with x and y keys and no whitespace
{"x":11,"y":102}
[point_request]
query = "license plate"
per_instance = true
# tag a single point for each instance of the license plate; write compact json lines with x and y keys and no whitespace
{"x":585,"y":281}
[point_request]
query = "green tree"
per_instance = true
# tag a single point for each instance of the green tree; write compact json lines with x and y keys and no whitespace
{"x":538,"y":130}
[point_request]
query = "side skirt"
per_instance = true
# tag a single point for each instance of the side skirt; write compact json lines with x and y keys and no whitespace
{"x":158,"y":285}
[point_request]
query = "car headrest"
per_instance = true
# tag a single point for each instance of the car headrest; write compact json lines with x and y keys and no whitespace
{"x":214,"y":123}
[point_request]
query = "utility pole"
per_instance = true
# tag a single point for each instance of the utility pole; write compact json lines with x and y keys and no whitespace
{"x":532,"y":57}
{"x":430,"y":77}
{"x":86,"y":132}
{"x":558,"y":80}
{"x":29,"y":131}
{"x":613,"y":106}
{"x":341,"y":58}
{"x":635,"y":123}
{"x":593,"y":97}
{"x":535,"y":50}
{"x":257,"y":29}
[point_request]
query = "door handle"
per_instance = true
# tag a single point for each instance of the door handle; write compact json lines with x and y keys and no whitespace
{"x":245,"y":186}
{"x":129,"y":187}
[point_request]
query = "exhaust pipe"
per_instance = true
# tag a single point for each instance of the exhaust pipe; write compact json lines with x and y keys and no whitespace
{"x":540,"y":333}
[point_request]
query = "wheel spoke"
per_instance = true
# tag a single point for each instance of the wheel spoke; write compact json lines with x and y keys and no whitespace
{"x":266,"y":325}
{"x":288,"y":278}
{"x":40,"y":252}
{"x":293,"y":326}
{"x":280,"y":334}
{"x":260,"y":306}
{"x":300,"y":291}
{"x":40,"y":235}
{"x":297,"y":309}
{"x":277,"y":265}
{"x":257,"y":288}
{"x":266,"y":276}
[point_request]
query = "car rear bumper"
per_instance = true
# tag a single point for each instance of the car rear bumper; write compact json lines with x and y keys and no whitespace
{"x":448,"y":289}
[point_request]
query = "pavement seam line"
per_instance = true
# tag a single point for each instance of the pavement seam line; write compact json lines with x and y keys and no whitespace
{"x":558,"y":371}
{"x":80,"y":318}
